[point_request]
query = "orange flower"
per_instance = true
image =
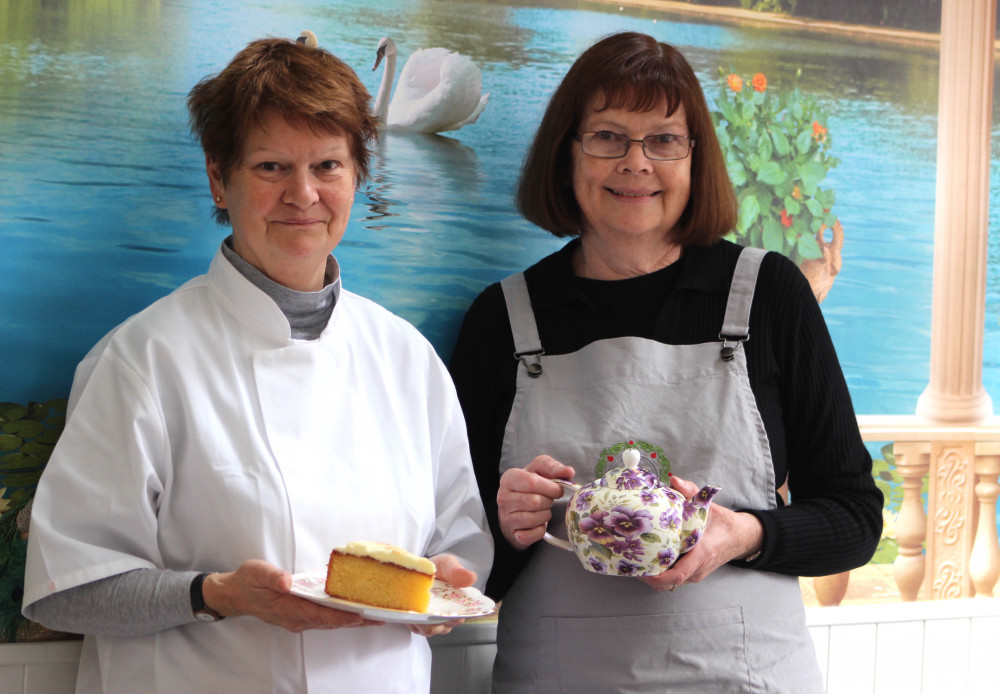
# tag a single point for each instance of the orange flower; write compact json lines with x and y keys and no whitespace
{"x":786,"y":221}
{"x":796,"y":193}
{"x":735,"y":83}
{"x":759,"y":82}
{"x":819,"y":132}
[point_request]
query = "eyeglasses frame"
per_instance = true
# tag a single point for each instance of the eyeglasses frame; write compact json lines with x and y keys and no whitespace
{"x":628,"y":143}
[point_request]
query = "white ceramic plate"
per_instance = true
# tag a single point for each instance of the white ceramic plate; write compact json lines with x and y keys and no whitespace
{"x":447,"y":602}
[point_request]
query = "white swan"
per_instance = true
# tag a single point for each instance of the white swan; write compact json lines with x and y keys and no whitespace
{"x":438,"y":90}
{"x":307,"y":39}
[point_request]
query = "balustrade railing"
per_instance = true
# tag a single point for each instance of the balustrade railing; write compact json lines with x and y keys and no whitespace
{"x":948,"y":546}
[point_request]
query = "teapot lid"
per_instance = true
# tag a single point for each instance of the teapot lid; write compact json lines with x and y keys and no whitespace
{"x":634,"y":459}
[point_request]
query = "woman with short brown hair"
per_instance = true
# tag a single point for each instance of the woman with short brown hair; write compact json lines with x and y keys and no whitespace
{"x":224,"y":440}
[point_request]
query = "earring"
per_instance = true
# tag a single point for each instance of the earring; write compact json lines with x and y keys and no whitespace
{"x":218,"y":198}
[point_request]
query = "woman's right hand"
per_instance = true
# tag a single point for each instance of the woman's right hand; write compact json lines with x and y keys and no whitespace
{"x":525,"y":499}
{"x":260,"y":589}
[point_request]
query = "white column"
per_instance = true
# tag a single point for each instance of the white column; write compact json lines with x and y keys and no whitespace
{"x":955,"y":393}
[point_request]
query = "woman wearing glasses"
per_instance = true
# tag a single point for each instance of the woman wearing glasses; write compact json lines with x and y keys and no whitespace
{"x":624,"y":335}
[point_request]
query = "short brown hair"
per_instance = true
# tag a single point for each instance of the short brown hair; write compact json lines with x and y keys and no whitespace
{"x":308,"y":86}
{"x":633,"y":71}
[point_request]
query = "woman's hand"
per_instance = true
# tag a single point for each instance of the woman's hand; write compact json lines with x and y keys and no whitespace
{"x":525,"y":499}
{"x":449,"y":570}
{"x":728,"y":535}
{"x":262,"y":590}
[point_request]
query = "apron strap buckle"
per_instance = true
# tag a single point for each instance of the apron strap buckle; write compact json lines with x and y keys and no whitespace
{"x":531,"y":361}
{"x":728,"y":351}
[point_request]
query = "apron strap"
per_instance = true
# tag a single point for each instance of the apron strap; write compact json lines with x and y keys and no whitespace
{"x":736,"y":324}
{"x":527,"y":345}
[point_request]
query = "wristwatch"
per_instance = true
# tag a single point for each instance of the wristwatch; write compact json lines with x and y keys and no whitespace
{"x":202,"y":612}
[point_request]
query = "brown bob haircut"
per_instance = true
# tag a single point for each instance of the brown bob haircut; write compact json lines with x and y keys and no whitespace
{"x":636,"y":72}
{"x":309,"y":86}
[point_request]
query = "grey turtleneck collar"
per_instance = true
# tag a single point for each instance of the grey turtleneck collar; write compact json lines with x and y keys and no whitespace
{"x":307,"y":312}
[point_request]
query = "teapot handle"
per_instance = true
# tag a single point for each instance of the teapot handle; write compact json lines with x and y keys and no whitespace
{"x":549,"y":537}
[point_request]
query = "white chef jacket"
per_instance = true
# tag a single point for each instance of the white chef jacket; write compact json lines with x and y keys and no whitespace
{"x":201,"y":435}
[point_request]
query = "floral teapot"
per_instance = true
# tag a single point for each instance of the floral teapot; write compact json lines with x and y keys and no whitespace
{"x":628,"y":523}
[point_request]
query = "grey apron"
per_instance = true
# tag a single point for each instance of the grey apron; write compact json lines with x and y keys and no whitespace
{"x":564,"y":629}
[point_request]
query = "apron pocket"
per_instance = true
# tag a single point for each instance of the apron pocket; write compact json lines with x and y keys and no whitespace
{"x":649,"y":654}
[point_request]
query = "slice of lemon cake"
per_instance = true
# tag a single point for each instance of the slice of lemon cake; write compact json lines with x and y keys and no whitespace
{"x":379,"y":574}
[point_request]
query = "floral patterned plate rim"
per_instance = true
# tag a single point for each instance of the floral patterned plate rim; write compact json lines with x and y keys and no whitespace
{"x":447,"y":602}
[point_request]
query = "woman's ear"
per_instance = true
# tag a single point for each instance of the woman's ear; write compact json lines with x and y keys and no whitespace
{"x":215,"y":182}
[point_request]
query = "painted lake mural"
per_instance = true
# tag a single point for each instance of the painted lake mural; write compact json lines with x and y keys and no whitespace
{"x":104,"y":204}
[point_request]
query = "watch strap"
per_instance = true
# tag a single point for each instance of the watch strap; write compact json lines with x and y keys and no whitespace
{"x":202,"y":612}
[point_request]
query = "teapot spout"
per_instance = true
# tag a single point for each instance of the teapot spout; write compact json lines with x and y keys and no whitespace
{"x":696,"y":509}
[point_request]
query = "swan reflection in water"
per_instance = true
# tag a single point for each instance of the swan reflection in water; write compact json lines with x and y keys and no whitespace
{"x":439,"y":90}
{"x":428,"y":178}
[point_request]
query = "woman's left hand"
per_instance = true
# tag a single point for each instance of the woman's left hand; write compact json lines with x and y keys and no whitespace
{"x":727,"y":536}
{"x":449,"y":570}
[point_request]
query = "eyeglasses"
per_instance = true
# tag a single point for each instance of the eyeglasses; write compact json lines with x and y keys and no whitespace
{"x":608,"y":145}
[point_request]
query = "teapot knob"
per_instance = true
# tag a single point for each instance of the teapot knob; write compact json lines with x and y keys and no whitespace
{"x":631,"y":458}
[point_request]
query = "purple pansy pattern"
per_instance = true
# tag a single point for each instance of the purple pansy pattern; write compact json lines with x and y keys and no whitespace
{"x":629,"y":523}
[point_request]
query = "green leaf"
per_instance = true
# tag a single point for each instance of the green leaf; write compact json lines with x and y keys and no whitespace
{"x":748,"y":111}
{"x":728,"y":112}
{"x":9,"y":442}
{"x":814,"y":207}
{"x":737,"y":173}
{"x":26,"y":478}
{"x":812,"y":173}
{"x":723,"y":136}
{"x":826,"y":198}
{"x":651,"y":537}
{"x":887,"y":551}
{"x":749,"y":212}
{"x":25,"y":428}
{"x":9,"y":411}
{"x":49,"y":436}
{"x":19,"y":461}
{"x":804,"y":142}
{"x":780,"y":142}
{"x":601,"y":550}
{"x":791,"y":205}
{"x":764,"y":147}
{"x":808,"y":248}
{"x":770,"y":172}
{"x":773,"y":236}
{"x":40,"y":450}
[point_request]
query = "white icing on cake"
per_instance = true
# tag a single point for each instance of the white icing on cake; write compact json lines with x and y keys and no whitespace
{"x":389,"y":554}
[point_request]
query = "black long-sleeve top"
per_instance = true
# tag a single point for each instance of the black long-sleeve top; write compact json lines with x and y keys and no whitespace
{"x":834,"y":519}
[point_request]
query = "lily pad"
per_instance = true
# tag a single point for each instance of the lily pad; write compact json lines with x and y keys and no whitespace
{"x":20,"y":461}
{"x":41,"y":450}
{"x":22,"y":479}
{"x":49,"y":436}
{"x":10,"y":411}
{"x":25,"y":428}
{"x":9,"y":442}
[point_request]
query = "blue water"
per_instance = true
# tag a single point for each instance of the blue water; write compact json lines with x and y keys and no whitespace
{"x":104,"y":205}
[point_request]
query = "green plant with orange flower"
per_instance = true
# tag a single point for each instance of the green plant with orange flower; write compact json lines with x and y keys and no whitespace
{"x":777,"y":148}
